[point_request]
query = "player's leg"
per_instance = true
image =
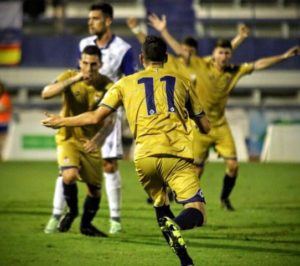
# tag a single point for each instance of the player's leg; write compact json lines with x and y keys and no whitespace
{"x":225,"y":146}
{"x":58,"y":206}
{"x":68,"y":161}
{"x":111,"y":152}
{"x":229,"y":182}
{"x":150,"y":174}
{"x":113,"y":193}
{"x":91,"y":174}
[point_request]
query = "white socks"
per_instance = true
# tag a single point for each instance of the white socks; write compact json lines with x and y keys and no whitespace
{"x":113,"y":193}
{"x":59,"y":202}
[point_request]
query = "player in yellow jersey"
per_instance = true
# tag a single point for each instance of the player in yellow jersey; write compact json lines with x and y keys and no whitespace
{"x":216,"y":77}
{"x":77,"y":158}
{"x":158,"y":104}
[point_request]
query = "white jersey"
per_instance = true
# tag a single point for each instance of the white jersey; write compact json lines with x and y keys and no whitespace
{"x":115,"y":63}
{"x":112,"y":55}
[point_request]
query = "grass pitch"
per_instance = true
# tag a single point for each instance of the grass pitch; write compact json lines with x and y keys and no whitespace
{"x":265,"y":229}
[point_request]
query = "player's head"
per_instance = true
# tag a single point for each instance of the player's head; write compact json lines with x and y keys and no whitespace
{"x":222,"y":52}
{"x":90,"y":62}
{"x":154,"y":50}
{"x":190,"y":45}
{"x":100,"y":18}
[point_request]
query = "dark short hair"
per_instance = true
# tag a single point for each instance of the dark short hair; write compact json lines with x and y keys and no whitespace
{"x":190,"y":41}
{"x":106,"y":9}
{"x":92,"y":50}
{"x":223,"y":44}
{"x":154,"y":49}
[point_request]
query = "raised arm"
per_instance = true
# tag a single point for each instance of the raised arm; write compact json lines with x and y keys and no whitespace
{"x":161,"y":26}
{"x":242,"y":33}
{"x":136,"y":29}
{"x":272,"y":60}
{"x":87,"y":118}
{"x":57,"y":88}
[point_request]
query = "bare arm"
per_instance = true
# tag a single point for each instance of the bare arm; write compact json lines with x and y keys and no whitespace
{"x":136,"y":29}
{"x":87,"y":118}
{"x":161,"y":26}
{"x":99,"y":138}
{"x":272,"y":60}
{"x":242,"y":34}
{"x":57,"y":88}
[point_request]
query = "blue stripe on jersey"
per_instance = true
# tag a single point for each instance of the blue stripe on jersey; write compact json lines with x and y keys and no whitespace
{"x":127,"y":65}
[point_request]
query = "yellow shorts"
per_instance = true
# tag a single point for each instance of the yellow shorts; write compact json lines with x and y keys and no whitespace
{"x":220,"y":138}
{"x":71,"y":153}
{"x":156,"y":173}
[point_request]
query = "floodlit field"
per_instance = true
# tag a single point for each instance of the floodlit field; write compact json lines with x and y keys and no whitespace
{"x":265,"y":229}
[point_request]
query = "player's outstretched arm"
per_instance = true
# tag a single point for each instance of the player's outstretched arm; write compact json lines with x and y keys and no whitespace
{"x":272,"y":60}
{"x":99,"y":138}
{"x":136,"y":29}
{"x":87,"y":118}
{"x":57,"y":88}
{"x":161,"y":26}
{"x":242,"y":34}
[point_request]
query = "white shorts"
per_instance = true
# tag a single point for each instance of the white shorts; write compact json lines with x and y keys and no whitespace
{"x":112,"y":146}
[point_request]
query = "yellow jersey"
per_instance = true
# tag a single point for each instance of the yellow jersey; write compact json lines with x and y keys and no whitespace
{"x":215,"y":86}
{"x":78,"y":98}
{"x":157,"y":103}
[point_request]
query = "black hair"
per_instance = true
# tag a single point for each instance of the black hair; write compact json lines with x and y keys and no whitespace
{"x":106,"y":9}
{"x":92,"y":50}
{"x":154,"y":49}
{"x":223,"y":44}
{"x":191,"y":42}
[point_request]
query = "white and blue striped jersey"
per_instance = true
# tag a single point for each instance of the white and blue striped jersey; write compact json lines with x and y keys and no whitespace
{"x":117,"y":57}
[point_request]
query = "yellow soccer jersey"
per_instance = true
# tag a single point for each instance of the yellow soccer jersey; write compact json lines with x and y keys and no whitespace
{"x":155,"y":104}
{"x":215,"y":86}
{"x":79,"y":98}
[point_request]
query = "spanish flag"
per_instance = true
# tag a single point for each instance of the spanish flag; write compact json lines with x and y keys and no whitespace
{"x":10,"y":32}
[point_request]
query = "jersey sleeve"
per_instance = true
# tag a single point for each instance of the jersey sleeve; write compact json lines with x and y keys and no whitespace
{"x":246,"y":68}
{"x":65,"y":75}
{"x":113,"y":97}
{"x":127,"y":65}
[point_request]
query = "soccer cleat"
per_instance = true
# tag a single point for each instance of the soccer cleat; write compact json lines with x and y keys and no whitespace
{"x":115,"y":227}
{"x":66,"y":222}
{"x":226,"y":204}
{"x":91,"y":230}
{"x":52,"y":225}
{"x":172,"y":234}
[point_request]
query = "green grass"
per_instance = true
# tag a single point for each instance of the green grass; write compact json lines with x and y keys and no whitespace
{"x":265,"y":229}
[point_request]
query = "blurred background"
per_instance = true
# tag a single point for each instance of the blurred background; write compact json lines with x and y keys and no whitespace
{"x":39,"y":39}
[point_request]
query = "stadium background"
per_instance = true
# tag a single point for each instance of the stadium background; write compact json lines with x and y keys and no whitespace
{"x":264,"y":230}
{"x":48,"y":44}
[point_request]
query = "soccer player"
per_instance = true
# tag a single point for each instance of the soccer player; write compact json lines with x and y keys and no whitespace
{"x":158,"y":103}
{"x":216,"y":78}
{"x":81,"y":91}
{"x":117,"y":60}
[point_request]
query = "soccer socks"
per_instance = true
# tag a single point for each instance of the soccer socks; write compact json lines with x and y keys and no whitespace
{"x":163,"y":211}
{"x":228,"y":185}
{"x":70,"y":193}
{"x":91,"y":206}
{"x":189,"y":218}
{"x":58,"y":198}
{"x":113,"y":192}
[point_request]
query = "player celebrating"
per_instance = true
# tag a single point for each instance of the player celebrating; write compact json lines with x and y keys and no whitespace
{"x":81,"y":90}
{"x":216,"y":77}
{"x":155,"y":102}
{"x":117,"y":60}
